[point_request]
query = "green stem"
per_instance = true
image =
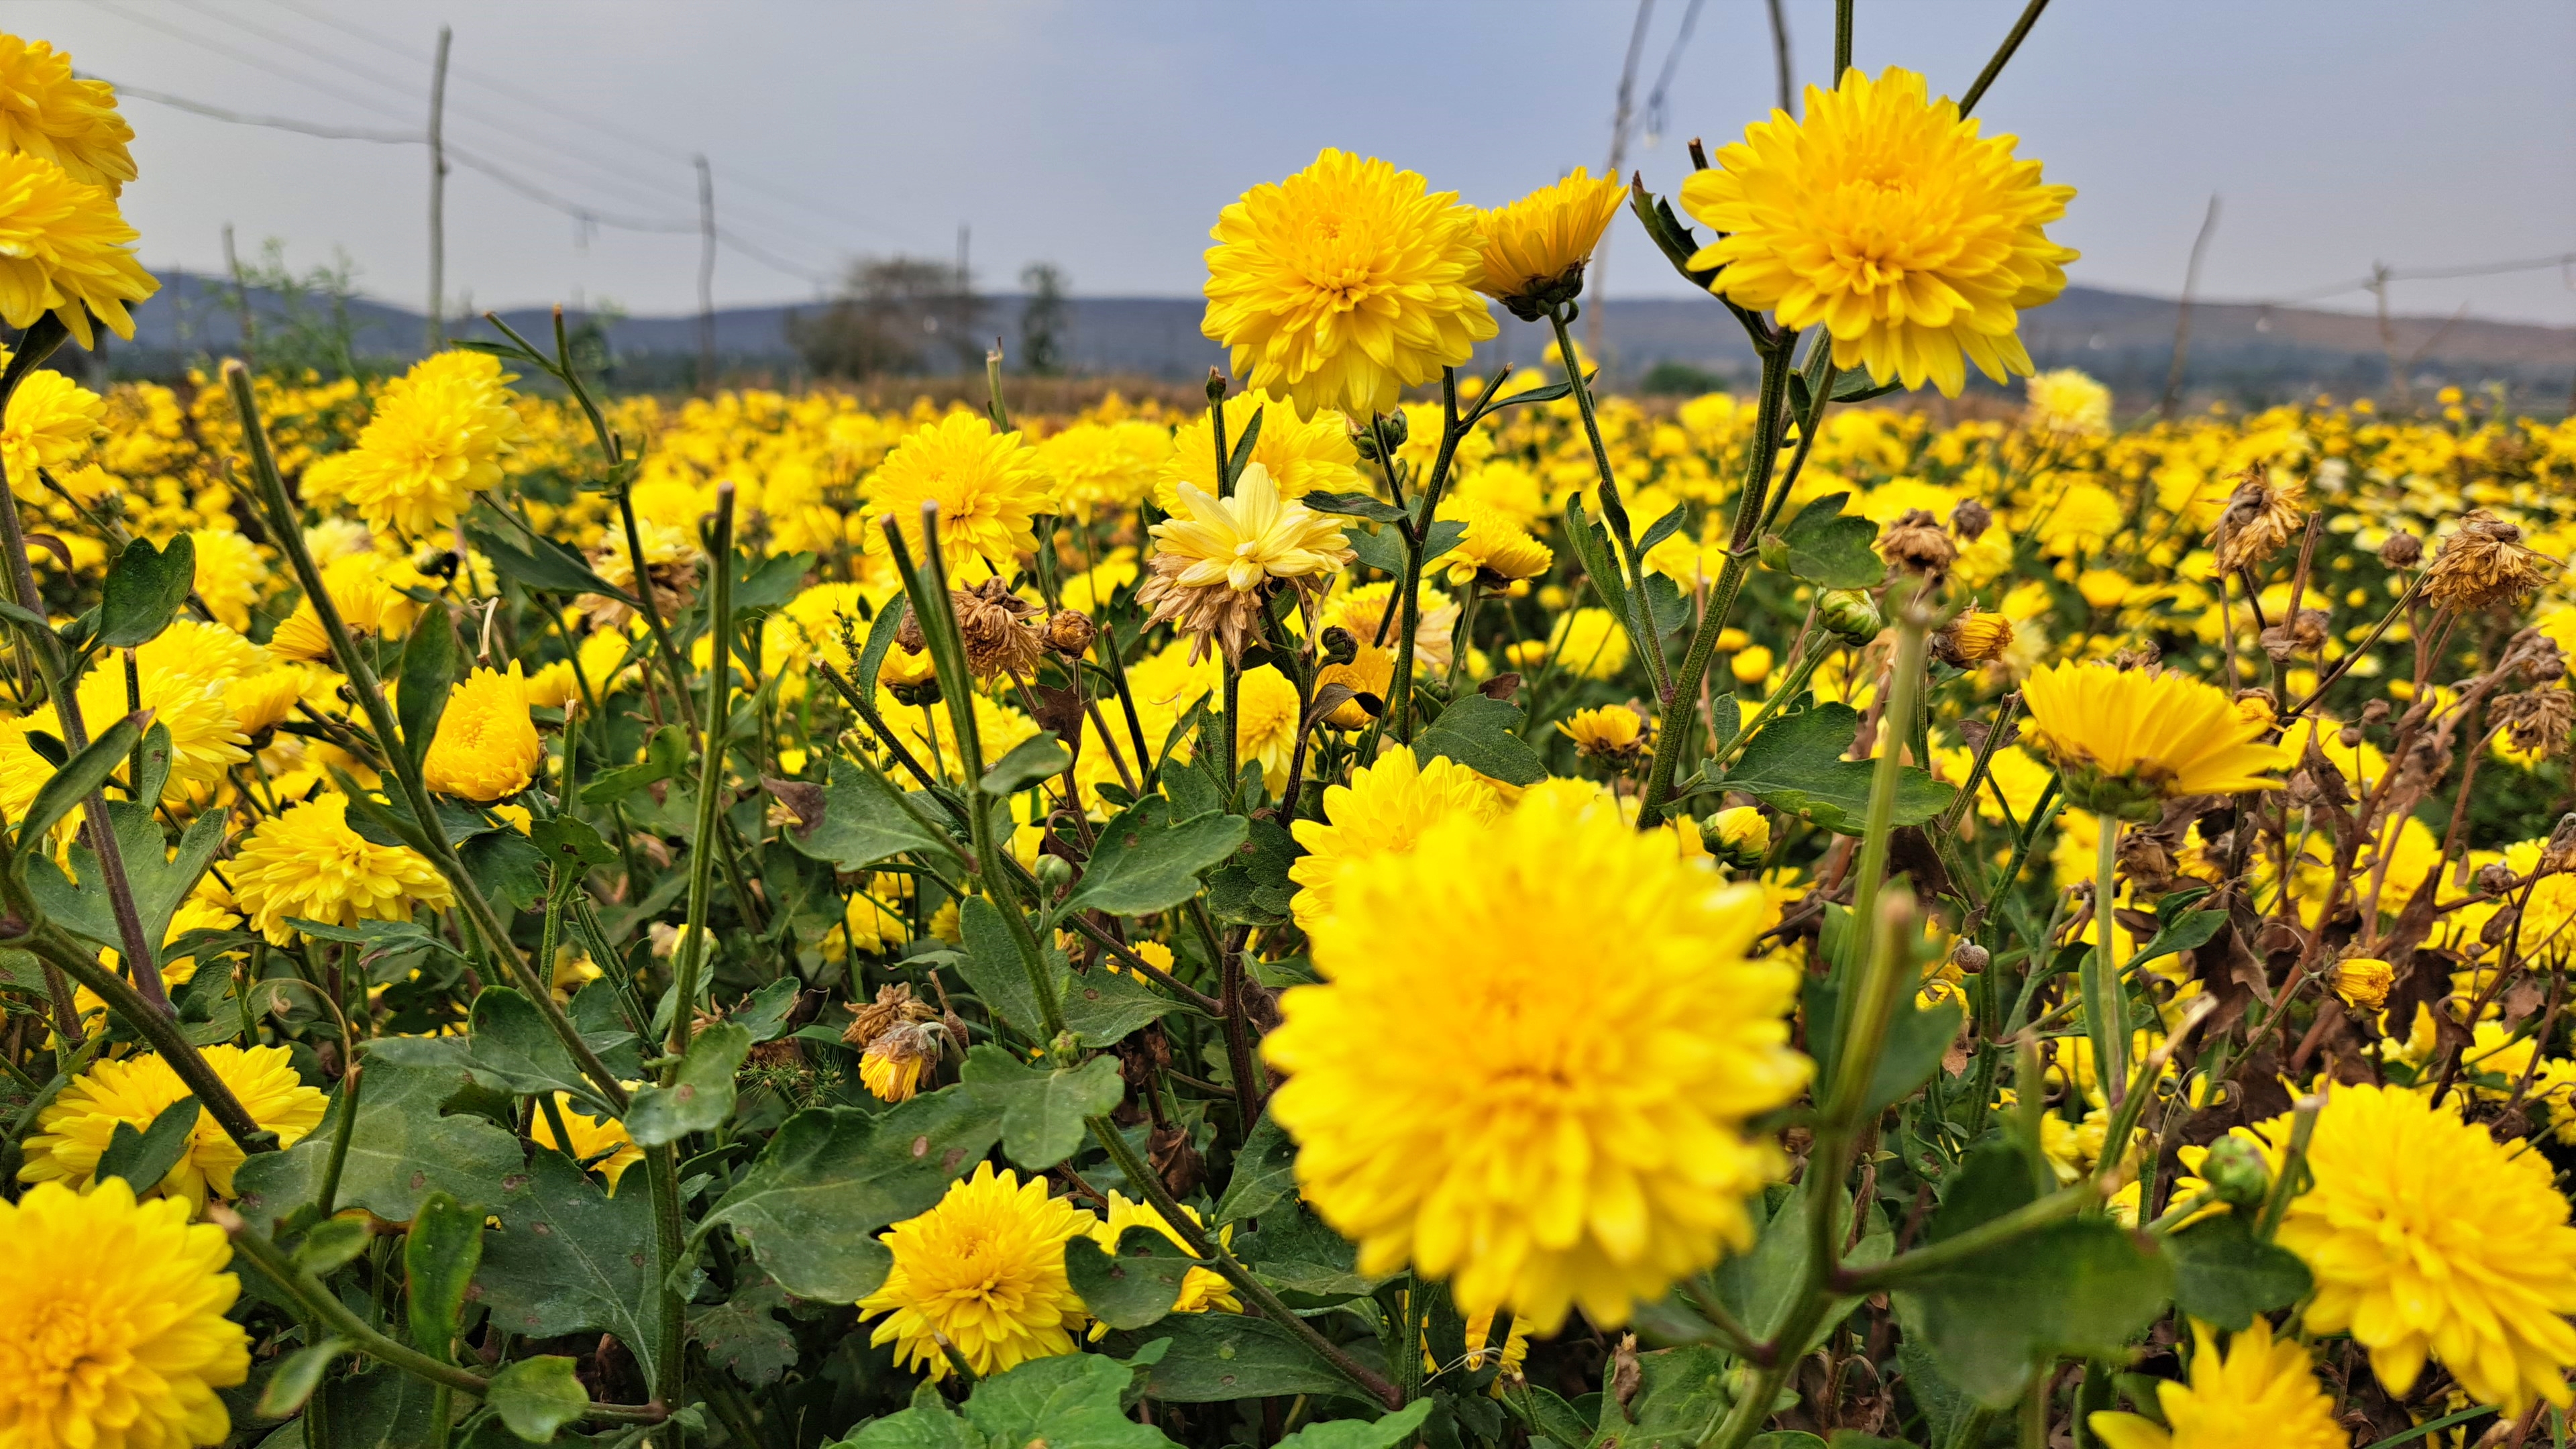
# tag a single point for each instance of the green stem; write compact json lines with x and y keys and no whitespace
{"x":1992,"y":1233}
{"x":160,"y":1029}
{"x":705,"y":846}
{"x":2105,"y":1013}
{"x":2003,"y":53}
{"x":344,"y":1129}
{"x":1614,"y":510}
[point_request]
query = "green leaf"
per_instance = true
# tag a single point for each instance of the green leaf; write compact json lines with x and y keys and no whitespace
{"x":440,"y":1254}
{"x":431,"y":664}
{"x":881,"y":632}
{"x":160,"y":881}
{"x":1591,"y":544}
{"x":863,"y":823}
{"x":810,"y":1204}
{"x":1352,"y":505}
{"x":2186,"y":932}
{"x":1311,"y":1265}
{"x":537,"y":1396}
{"x":1253,"y":887}
{"x":539,"y":563}
{"x":1917,"y":1039}
{"x":1663,"y":528}
{"x":1681,"y":1396}
{"x":766,"y":584}
{"x":1144,"y":863}
{"x":143,"y":591}
{"x":1996,"y":1176}
{"x":993,"y":967}
{"x":1219,"y":1356}
{"x":929,"y":1425}
{"x":666,"y":757}
{"x":1072,"y":1401}
{"x":2070,"y":1289}
{"x":1041,"y":1112}
{"x":571,"y":1257}
{"x":72,"y":784}
{"x":570,"y":845}
{"x":400,"y":1149}
{"x":743,"y":1334}
{"x":1796,"y":764}
{"x":1833,"y":551}
{"x":144,"y":1158}
{"x":2224,"y":1275}
{"x":1133,"y":1287}
{"x":1039,"y":757}
{"x":1787,"y":1438}
{"x":700,"y":1096}
{"x":1380,"y":1433}
{"x":1477,"y":733}
{"x":332,"y":1243}
{"x":295,"y":1380}
{"x":1102,"y":1006}
{"x":1265,"y":1173}
{"x":387,"y":1409}
{"x":507,"y":868}
{"x":765,"y":1014}
{"x":513,"y":1049}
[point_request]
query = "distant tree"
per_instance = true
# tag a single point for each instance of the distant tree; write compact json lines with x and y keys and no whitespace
{"x":893,"y":315}
{"x":305,"y":325}
{"x":1045,"y":320}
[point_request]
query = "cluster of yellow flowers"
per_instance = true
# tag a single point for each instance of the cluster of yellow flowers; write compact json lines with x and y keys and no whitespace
{"x":1547,"y":1008}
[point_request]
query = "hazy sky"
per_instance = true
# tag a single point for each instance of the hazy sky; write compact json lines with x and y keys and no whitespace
{"x":1105,"y":135}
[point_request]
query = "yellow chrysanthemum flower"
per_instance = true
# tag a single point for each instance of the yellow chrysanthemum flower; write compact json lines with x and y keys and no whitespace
{"x":1095,"y":466}
{"x":1345,"y":284}
{"x":486,"y":746}
{"x":2261,"y":1393}
{"x":367,"y":589}
{"x":599,"y":1143}
{"x":1612,"y":732}
{"x":2427,"y":1236}
{"x":65,"y":249}
{"x":1303,"y":452}
{"x":47,"y":111}
{"x":1211,"y":560}
{"x":73,"y":1132}
{"x":985,"y":1270}
{"x":2126,"y":738}
{"x":1495,"y":546}
{"x":306,"y":862}
{"x":1531,"y":253}
{"x":52,"y":423}
{"x":988,"y":487}
{"x":1566,"y":1124}
{"x":205,"y":740}
{"x":437,"y":439}
{"x":1589,"y":644}
{"x":2067,"y":403}
{"x":1378,"y":816}
{"x":230,"y":574}
{"x":1891,"y":222}
{"x":1203,"y":1290}
{"x":112,"y":1326}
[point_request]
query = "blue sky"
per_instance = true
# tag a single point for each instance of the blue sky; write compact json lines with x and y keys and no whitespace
{"x":1105,"y":135}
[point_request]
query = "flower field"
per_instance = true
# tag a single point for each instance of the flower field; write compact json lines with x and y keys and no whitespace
{"x":1396,"y":906}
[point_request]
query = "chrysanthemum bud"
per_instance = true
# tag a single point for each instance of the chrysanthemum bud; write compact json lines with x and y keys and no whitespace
{"x":2349,"y":737}
{"x":1069,"y":632}
{"x":2403,"y":550}
{"x":1340,"y":645}
{"x":2236,"y":1172}
{"x":2494,"y":880}
{"x":1970,"y":520}
{"x":2363,"y":981}
{"x":1852,"y":615}
{"x":1054,"y":872}
{"x":921,"y":694}
{"x":1971,"y":957}
{"x":1739,"y":836}
{"x":1773,"y":551}
{"x":1397,"y":429}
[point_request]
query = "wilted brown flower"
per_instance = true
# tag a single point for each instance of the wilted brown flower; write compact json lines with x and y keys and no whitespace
{"x":2403,"y":550}
{"x":2304,"y":632}
{"x":894,"y":1006}
{"x":671,"y":561}
{"x":2538,"y":719}
{"x":994,"y":623}
{"x":2259,"y":519}
{"x":1917,"y":542}
{"x":1970,"y":520}
{"x":2485,"y":564}
{"x":1069,"y":632}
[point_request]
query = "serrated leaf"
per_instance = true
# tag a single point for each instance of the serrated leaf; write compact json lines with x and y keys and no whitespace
{"x":1136,"y":1285}
{"x":400,"y":1149}
{"x":1477,"y":733}
{"x":1144,"y":863}
{"x":2187,"y":931}
{"x":1663,"y":528}
{"x":701,"y":1094}
{"x":1311,"y":1265}
{"x":333,"y":1243}
{"x":2224,"y":1275}
{"x":1831,"y":550}
{"x":440,"y":1254}
{"x":537,"y":1396}
{"x":431,"y":662}
{"x":507,"y":868}
{"x":863,"y":823}
{"x":535,"y":561}
{"x":1265,"y":1173}
{"x":809,"y":1206}
{"x":143,"y":591}
{"x":71,"y":784}
{"x":743,"y":1334}
{"x":1352,"y":505}
{"x":1796,"y":764}
{"x":570,"y":844}
{"x":513,"y":1049}
{"x":2072,"y":1289}
{"x":765,"y":1014}
{"x":666,"y":757}
{"x":1252,"y":888}
{"x":1039,"y":757}
{"x":1042,"y":1112}
{"x":1384,"y":1432}
{"x":572,"y":1257}
{"x":159,"y":880}
{"x":144,"y":1158}
{"x":1220,"y":1356}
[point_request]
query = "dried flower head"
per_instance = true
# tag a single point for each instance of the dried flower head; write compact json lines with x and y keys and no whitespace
{"x":671,"y":560}
{"x":2538,"y":720}
{"x":1974,"y":637}
{"x":1971,"y":519}
{"x":1069,"y":632}
{"x":894,"y":1006}
{"x":2403,"y":550}
{"x":2485,"y":564}
{"x":1916,"y":542}
{"x":994,"y":624}
{"x":2259,"y":518}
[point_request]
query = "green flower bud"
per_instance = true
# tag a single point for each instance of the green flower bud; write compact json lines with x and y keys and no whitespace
{"x":1852,"y":615}
{"x":1054,"y":872}
{"x":1773,"y":551}
{"x":2236,"y":1172}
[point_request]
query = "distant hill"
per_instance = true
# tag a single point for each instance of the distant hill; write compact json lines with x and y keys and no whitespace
{"x":2248,"y":353}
